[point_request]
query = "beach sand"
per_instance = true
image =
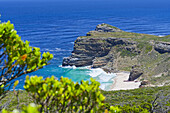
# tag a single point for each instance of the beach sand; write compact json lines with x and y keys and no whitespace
{"x":121,"y":83}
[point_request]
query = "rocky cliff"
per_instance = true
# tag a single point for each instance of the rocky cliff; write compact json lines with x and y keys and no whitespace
{"x":114,"y":50}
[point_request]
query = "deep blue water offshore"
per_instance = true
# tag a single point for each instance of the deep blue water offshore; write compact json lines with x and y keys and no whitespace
{"x":54,"y":26}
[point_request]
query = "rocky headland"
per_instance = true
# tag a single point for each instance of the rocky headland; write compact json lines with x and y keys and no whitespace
{"x":146,"y":57}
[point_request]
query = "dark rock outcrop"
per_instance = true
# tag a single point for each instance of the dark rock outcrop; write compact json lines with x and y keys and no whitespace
{"x":91,"y":51}
{"x":145,"y":82}
{"x":77,"y":61}
{"x":135,"y":73}
{"x":107,"y":28}
{"x":162,"y":47}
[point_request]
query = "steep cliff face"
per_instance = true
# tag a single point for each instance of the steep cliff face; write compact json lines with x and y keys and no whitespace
{"x":114,"y":50}
{"x":94,"y":51}
{"x":162,"y":47}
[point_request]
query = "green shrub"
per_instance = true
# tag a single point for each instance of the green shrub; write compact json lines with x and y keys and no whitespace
{"x":64,"y":95}
{"x":133,"y":109}
{"x":115,"y":109}
{"x":125,"y":52}
{"x":31,"y":108}
{"x":17,"y":57}
{"x":146,"y":46}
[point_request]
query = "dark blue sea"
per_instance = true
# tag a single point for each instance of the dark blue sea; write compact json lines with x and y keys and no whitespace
{"x":54,"y":26}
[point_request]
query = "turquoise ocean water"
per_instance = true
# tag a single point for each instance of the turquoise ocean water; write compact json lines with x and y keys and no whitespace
{"x":54,"y":26}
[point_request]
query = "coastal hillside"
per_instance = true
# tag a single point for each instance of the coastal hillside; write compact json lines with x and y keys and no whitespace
{"x":146,"y":57}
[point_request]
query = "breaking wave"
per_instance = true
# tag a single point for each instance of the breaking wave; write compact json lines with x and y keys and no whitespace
{"x":77,"y":73}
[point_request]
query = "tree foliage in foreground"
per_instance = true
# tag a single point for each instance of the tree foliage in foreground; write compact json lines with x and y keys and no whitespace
{"x":17,"y":57}
{"x":31,"y":108}
{"x":64,"y":95}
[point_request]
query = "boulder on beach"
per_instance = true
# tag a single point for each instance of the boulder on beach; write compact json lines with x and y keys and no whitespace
{"x":135,"y":73}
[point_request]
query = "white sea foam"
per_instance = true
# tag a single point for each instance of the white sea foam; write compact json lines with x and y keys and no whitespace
{"x":98,"y":74}
{"x":105,"y":86}
{"x":71,"y":67}
{"x":158,"y":35}
{"x":104,"y":78}
{"x":161,"y":35}
{"x":84,"y":67}
{"x":57,"y":49}
{"x":74,"y":67}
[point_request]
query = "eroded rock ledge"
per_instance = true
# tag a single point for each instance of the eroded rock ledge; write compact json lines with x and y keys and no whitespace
{"x":162,"y":47}
{"x":94,"y":51}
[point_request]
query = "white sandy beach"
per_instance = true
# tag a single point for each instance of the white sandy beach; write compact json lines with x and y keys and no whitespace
{"x":121,"y":83}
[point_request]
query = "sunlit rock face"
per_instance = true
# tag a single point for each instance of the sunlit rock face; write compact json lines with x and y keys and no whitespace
{"x":113,"y":49}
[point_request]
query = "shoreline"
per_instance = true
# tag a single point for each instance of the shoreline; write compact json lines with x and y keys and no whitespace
{"x":120,"y":82}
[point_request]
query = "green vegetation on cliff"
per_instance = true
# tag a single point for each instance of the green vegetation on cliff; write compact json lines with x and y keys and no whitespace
{"x":125,"y":49}
{"x":133,"y":36}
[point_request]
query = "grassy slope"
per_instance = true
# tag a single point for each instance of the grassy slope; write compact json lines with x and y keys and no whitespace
{"x":134,"y":36}
{"x":24,"y":99}
{"x":136,"y":96}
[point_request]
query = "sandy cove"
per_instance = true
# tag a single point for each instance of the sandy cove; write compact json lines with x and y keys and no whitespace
{"x":120,"y":82}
